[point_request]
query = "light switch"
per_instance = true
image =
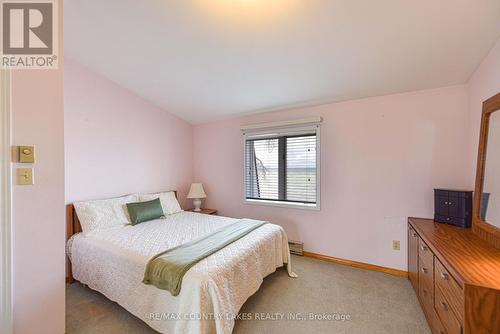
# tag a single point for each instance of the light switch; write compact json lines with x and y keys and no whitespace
{"x":26,"y":154}
{"x":25,"y":176}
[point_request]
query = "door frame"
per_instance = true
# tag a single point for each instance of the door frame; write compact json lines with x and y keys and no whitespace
{"x":6,"y":322}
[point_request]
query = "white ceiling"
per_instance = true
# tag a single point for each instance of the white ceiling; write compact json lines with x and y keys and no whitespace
{"x":206,"y":60}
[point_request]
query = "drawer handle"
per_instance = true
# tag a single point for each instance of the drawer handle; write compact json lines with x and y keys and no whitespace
{"x":424,"y":291}
{"x":414,"y":234}
{"x":424,"y":270}
{"x":443,"y":275}
{"x":424,"y":248}
{"x":444,"y":306}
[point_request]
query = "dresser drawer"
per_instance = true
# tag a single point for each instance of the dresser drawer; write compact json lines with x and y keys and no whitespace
{"x":437,"y":326}
{"x":450,"y":289}
{"x":413,"y":257}
{"x":446,"y":315}
{"x":426,"y":295}
{"x":427,"y":302}
{"x":427,"y":299}
{"x":425,"y":276}
{"x":424,"y":253}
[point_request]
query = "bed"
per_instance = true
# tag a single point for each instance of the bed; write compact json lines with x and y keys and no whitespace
{"x":113,"y":262}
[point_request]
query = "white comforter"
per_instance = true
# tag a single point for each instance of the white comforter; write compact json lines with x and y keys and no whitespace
{"x":113,"y":262}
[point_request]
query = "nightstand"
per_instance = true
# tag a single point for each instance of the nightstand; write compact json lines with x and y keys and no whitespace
{"x":205,"y":211}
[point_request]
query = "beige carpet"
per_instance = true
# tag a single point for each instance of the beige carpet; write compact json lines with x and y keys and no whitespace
{"x":375,"y":302}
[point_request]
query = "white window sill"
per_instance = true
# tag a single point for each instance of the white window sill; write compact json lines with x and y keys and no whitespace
{"x":283,"y":204}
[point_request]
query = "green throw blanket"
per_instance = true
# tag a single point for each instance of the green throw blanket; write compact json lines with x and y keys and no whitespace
{"x":166,"y":269}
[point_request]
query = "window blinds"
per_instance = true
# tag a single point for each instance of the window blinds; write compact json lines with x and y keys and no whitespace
{"x":282,"y":168}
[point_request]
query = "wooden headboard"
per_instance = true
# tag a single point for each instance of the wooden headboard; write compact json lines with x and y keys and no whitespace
{"x":75,"y":227}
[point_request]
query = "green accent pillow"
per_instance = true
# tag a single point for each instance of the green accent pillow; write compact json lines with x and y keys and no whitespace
{"x":143,"y":211}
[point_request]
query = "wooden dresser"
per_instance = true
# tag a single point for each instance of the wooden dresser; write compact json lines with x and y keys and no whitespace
{"x":456,"y":276}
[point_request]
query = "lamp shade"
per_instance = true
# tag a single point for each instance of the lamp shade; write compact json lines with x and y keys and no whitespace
{"x":196,"y":191}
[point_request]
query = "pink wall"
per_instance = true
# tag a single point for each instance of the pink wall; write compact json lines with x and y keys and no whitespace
{"x":38,"y":210}
{"x":117,"y":143}
{"x":484,"y":83}
{"x":381,"y":159}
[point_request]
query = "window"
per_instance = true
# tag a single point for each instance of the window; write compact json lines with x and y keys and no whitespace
{"x":282,"y":168}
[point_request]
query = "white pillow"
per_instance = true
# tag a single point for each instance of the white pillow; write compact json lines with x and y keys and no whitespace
{"x":168,"y":201}
{"x":105,"y":213}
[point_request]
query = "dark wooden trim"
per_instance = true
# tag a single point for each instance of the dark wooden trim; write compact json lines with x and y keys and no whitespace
{"x":360,"y":265}
{"x":75,"y":227}
{"x":72,"y":228}
{"x":486,"y":231}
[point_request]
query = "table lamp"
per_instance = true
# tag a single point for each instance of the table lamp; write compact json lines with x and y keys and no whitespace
{"x":197,"y":193}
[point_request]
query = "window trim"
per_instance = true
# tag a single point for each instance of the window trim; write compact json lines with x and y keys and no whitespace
{"x":269,"y":132}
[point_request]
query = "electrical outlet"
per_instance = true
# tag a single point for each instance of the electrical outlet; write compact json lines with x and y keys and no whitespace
{"x":396,"y":245}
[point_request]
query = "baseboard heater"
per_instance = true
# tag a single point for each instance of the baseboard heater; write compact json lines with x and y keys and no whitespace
{"x":296,"y":247}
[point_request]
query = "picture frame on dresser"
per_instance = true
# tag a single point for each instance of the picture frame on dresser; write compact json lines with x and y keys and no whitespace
{"x":486,"y":230}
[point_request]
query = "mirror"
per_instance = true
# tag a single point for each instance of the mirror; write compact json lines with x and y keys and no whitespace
{"x":490,"y":199}
{"x":486,"y":210}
